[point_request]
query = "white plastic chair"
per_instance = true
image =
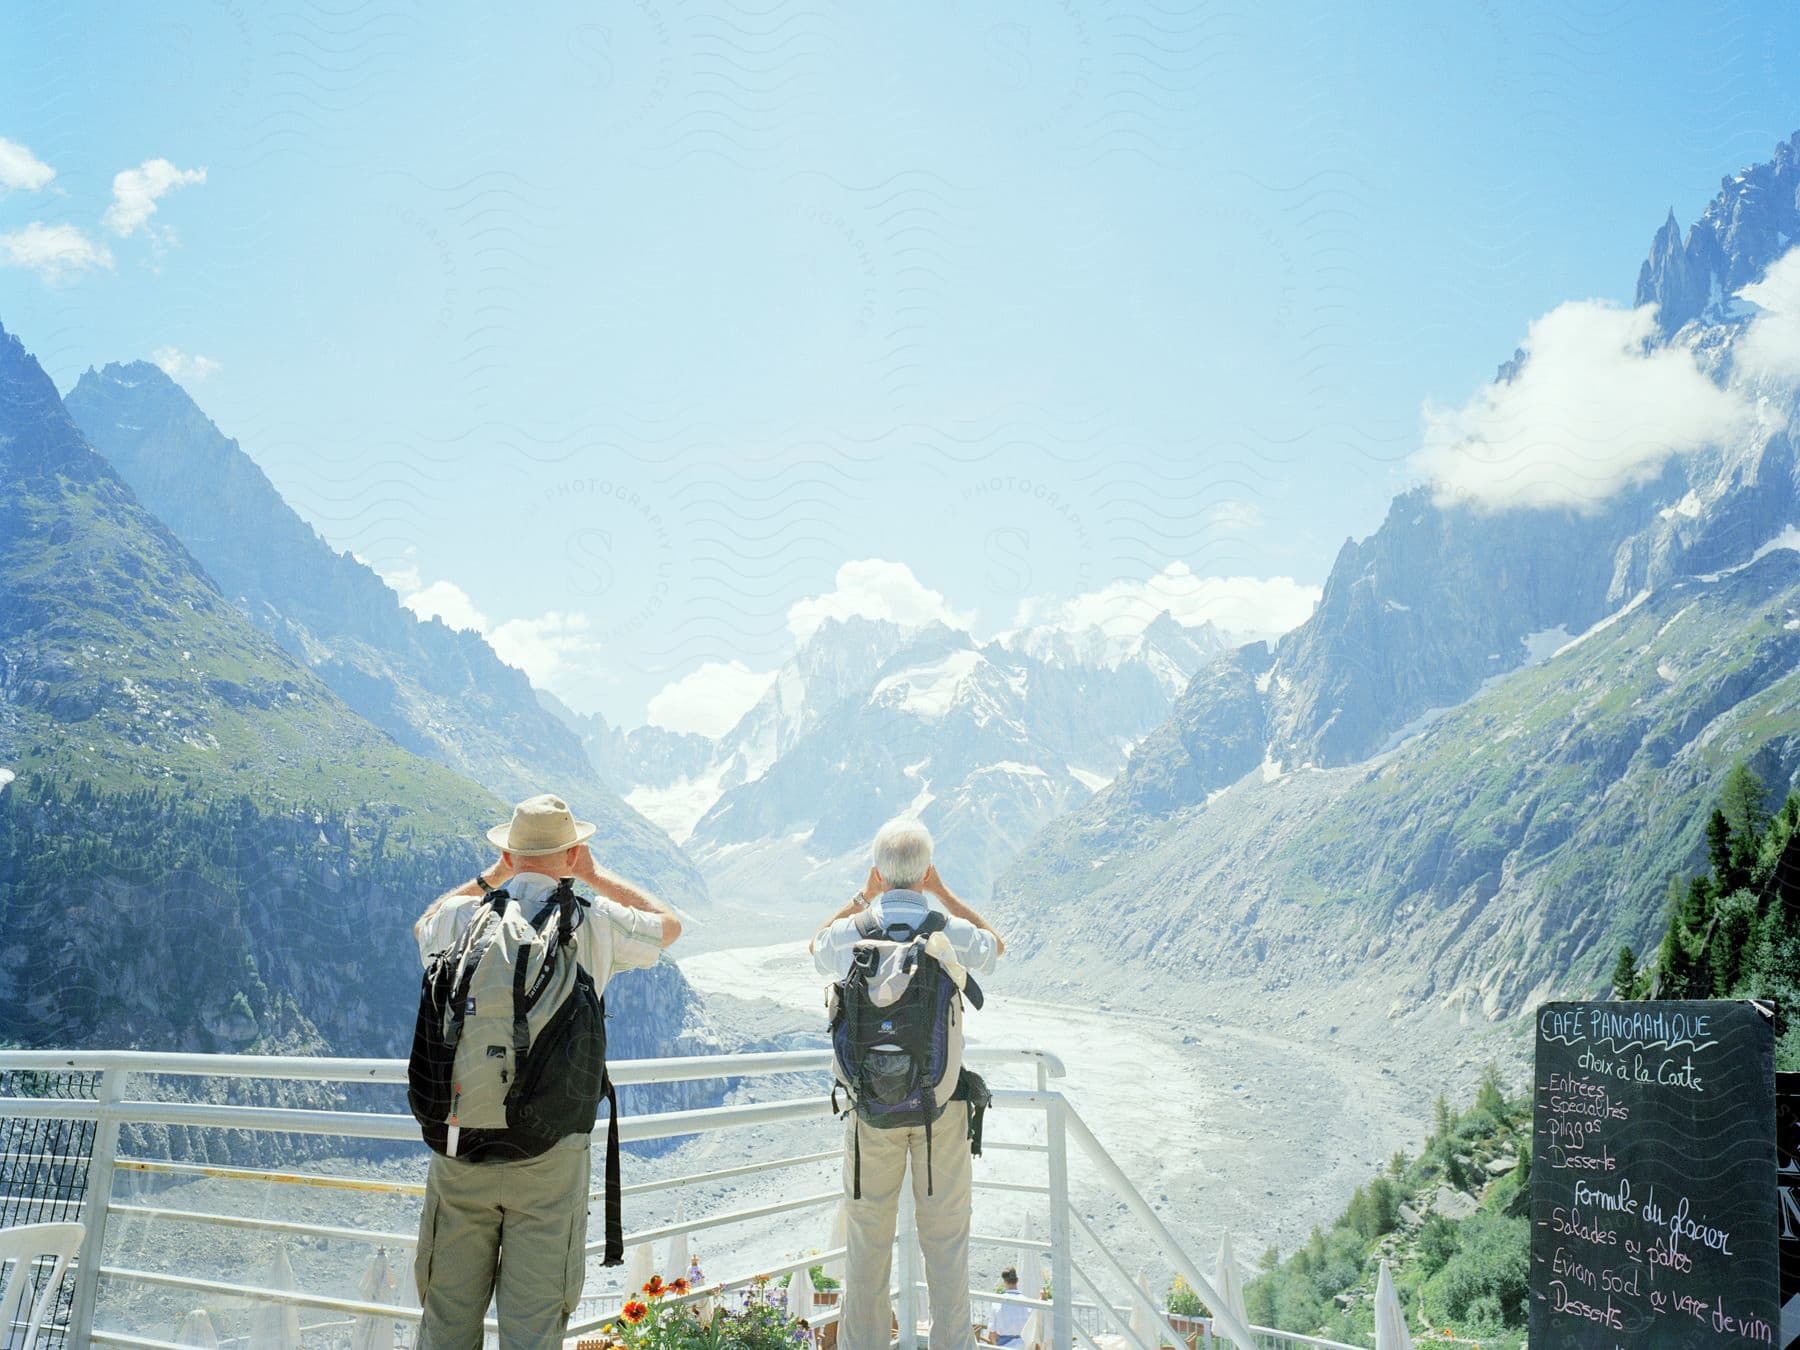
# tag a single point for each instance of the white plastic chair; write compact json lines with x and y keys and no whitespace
{"x":23,"y":1248}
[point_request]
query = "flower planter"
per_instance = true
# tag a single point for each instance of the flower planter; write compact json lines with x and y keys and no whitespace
{"x":1190,"y":1327}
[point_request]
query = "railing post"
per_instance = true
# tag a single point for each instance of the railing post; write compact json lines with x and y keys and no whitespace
{"x":1062,"y":1314}
{"x":98,"y":1202}
{"x":908,"y":1304}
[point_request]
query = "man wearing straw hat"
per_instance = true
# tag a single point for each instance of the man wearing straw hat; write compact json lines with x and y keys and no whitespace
{"x":515,"y":1230}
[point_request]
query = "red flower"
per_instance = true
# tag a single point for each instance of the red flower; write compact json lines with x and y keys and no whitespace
{"x":655,"y":1287}
{"x":678,"y":1286}
{"x":634,"y":1312}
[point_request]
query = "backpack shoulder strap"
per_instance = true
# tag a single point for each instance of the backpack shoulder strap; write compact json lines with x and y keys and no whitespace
{"x":614,"y":1252}
{"x":971,"y":992}
{"x":866,"y":926}
{"x":934,"y":922}
{"x":567,"y":906}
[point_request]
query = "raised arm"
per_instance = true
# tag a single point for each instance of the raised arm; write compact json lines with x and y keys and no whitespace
{"x":611,"y":886}
{"x":934,"y":885}
{"x":873,"y":887}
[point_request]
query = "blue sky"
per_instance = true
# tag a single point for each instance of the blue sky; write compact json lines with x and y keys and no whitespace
{"x":621,"y":329}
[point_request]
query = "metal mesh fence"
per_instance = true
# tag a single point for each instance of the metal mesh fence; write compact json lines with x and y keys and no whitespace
{"x":44,"y":1176}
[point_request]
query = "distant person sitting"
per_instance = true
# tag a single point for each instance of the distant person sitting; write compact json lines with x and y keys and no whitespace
{"x":1011,"y":1315}
{"x":889,"y":948}
{"x":507,"y":1074}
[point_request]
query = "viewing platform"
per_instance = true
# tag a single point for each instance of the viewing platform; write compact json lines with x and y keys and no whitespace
{"x":323,"y":1173}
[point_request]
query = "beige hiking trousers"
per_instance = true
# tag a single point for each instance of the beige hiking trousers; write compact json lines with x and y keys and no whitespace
{"x":521,"y":1226}
{"x":943,"y":1221}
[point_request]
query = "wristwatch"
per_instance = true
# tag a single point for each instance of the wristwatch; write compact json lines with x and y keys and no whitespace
{"x":859,"y":901}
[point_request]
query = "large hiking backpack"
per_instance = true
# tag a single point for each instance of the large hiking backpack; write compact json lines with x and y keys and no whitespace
{"x":897,"y":1034}
{"x":509,"y":1049}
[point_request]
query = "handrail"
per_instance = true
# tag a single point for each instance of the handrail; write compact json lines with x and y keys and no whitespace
{"x":1234,"y":1326}
{"x":1118,"y":1269}
{"x":111,"y":1108}
{"x":1295,"y":1338}
{"x":328,"y":1069}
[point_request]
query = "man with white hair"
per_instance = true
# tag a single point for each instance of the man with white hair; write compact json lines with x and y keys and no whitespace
{"x":902,"y":890}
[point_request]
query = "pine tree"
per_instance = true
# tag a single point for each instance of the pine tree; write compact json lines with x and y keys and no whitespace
{"x":1742,"y":802}
{"x":1674,"y":971}
{"x":1719,"y":849}
{"x":1490,"y":1096}
{"x":1443,"y":1120}
{"x":1625,"y":976}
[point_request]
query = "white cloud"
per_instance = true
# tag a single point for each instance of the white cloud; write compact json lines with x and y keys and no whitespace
{"x":1245,"y":607}
{"x":135,"y":192}
{"x":178,"y":365}
{"x":709,"y":699}
{"x":403,"y":581}
{"x":441,"y":600}
{"x":874,"y":589}
{"x":1770,"y":345}
{"x":55,"y":252}
{"x":20,"y":169}
{"x":1597,"y":406}
{"x":551,"y":648}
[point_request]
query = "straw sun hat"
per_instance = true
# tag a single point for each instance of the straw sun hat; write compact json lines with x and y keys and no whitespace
{"x":540,"y":825}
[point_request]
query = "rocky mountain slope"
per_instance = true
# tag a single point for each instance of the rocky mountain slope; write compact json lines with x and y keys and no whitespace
{"x":440,"y":692}
{"x":201,"y":846}
{"x":1752,"y":220}
{"x":1466,"y":780}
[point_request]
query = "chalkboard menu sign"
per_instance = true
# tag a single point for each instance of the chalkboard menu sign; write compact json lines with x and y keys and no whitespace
{"x":1653,"y":1184}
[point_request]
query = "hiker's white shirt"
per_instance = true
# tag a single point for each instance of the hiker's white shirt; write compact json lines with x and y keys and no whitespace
{"x":975,"y":947}
{"x":1011,"y":1316}
{"x":609,"y":938}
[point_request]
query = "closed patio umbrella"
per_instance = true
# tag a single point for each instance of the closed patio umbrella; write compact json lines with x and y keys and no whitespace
{"x":840,"y":1235}
{"x":276,"y":1326}
{"x":1390,"y":1317}
{"x":1228,"y":1284}
{"x":640,"y":1265}
{"x":800,"y":1304}
{"x":196,"y":1329}
{"x":377,"y":1286}
{"x":1031,"y":1260}
{"x":1143,"y":1321}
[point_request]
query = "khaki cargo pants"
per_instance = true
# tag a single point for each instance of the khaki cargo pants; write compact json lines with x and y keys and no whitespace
{"x":943,"y":1221}
{"x":521,"y":1225}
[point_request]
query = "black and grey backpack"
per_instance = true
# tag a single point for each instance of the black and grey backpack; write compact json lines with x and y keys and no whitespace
{"x":509,"y":1050}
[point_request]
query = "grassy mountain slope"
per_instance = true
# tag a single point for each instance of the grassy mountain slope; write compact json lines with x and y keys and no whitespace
{"x":125,"y":666}
{"x":1452,"y":1224}
{"x":439,"y":692}
{"x":203,"y":848}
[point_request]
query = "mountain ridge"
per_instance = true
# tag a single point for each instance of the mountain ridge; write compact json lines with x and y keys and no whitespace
{"x":440,"y":692}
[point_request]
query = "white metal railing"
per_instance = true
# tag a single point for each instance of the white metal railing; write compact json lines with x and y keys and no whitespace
{"x":1074,"y":1318}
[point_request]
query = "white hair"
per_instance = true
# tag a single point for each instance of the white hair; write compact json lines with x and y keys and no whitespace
{"x":903,"y":852}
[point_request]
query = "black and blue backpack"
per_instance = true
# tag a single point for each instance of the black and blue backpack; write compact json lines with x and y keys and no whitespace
{"x":897,"y":1034}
